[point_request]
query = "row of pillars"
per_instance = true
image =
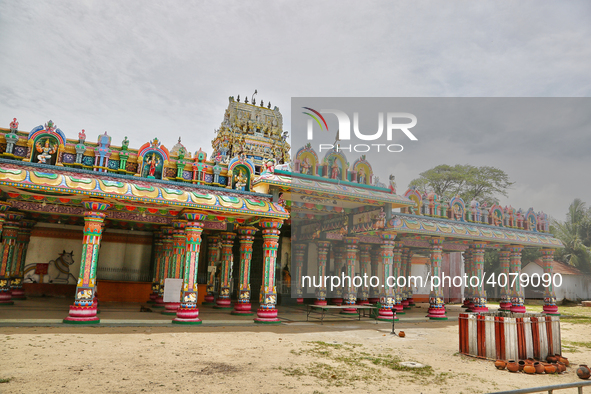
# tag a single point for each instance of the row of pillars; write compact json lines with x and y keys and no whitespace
{"x":512,"y":293}
{"x":393,"y":259}
{"x":177,"y":255}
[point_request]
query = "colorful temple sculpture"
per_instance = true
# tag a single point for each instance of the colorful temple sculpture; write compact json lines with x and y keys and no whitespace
{"x":246,"y":209}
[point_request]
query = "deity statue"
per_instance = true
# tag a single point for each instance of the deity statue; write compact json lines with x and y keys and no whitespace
{"x":269,"y":166}
{"x":240,"y":180}
{"x":334,"y":169}
{"x":305,"y":166}
{"x":217,"y":169}
{"x":81,"y":136}
{"x":45,"y":151}
{"x":13,"y":126}
{"x":392,"y":184}
{"x":50,"y":126}
{"x":281,"y":200}
{"x":125,"y":144}
{"x":152,"y":162}
{"x":361,"y":176}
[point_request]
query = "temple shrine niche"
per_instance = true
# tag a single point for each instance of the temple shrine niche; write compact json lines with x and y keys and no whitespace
{"x":240,"y":173}
{"x":362,"y":171}
{"x":45,"y":144}
{"x":306,"y":161}
{"x":153,"y":158}
{"x":335,"y":165}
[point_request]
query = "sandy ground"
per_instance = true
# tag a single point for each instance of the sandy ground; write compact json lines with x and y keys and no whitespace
{"x":296,"y":357}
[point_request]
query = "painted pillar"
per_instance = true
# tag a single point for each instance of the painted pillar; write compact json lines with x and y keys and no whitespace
{"x":188,"y":313}
{"x":479,"y":298}
{"x":246,"y":237}
{"x":165,"y":259}
{"x":267,"y":312}
{"x":339,"y":263}
{"x":409,"y":291}
{"x":436,"y":304}
{"x":504,"y":260}
{"x":18,"y":266}
{"x":468,"y":271}
{"x":323,"y":248}
{"x":404,"y":272}
{"x":9,"y":236}
{"x":213,"y":256}
{"x":349,"y":289}
{"x":365,"y":272}
{"x":299,"y":253}
{"x":156,"y":272}
{"x":175,"y":267}
{"x":85,"y":307}
{"x":516,"y":293}
{"x":374,"y":291}
{"x":396,"y":267}
{"x":223,"y":301}
{"x":549,"y":295}
{"x":387,"y":298}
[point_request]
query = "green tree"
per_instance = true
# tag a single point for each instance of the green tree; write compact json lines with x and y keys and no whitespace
{"x":469,"y":182}
{"x":575,"y":235}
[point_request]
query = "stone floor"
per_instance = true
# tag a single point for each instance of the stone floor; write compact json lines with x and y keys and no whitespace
{"x":49,"y":311}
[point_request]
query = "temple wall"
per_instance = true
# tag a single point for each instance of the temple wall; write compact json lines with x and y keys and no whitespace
{"x":124,"y":255}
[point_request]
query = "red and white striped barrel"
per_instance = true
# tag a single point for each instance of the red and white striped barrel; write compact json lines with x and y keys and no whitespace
{"x":527,"y":335}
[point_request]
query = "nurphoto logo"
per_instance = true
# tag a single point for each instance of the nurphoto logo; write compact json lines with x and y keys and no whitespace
{"x":344,"y":131}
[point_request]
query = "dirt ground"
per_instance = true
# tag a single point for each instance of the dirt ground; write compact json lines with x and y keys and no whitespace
{"x":296,"y":357}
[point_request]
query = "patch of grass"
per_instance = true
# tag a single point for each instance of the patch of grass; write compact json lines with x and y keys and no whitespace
{"x":5,"y":380}
{"x":575,"y":319}
{"x":578,"y":344}
{"x":347,"y":365}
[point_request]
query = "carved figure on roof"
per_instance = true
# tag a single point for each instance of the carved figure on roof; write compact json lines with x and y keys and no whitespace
{"x":281,"y":200}
{"x":81,"y":136}
{"x":475,"y":209}
{"x":11,"y":138}
{"x":13,"y":126}
{"x":152,"y":161}
{"x":240,"y":180}
{"x":334,"y":169}
{"x":361,"y":175}
{"x":217,"y":169}
{"x":50,"y":126}
{"x":269,"y":166}
{"x":45,"y":151}
{"x":392,"y":186}
{"x":125,"y":144}
{"x":306,"y":166}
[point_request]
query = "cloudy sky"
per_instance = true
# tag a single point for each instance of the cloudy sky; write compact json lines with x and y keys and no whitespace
{"x":144,"y":68}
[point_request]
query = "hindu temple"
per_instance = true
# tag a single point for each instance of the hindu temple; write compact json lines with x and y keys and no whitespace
{"x":238,"y":224}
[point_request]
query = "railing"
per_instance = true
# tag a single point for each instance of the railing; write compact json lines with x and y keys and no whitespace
{"x":549,"y":389}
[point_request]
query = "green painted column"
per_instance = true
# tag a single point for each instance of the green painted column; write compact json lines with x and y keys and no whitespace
{"x":175,"y":267}
{"x":9,"y":252}
{"x":188,"y":313}
{"x":213,"y":256}
{"x":436,"y":304}
{"x":18,"y":267}
{"x":242,"y":306}
{"x":267,"y":313}
{"x":84,"y":309}
{"x":223,"y":301}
